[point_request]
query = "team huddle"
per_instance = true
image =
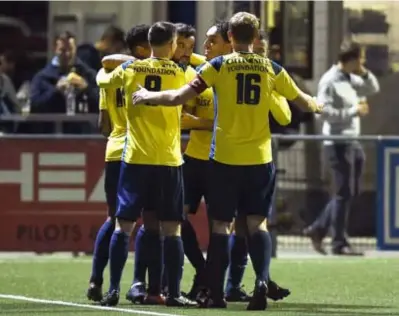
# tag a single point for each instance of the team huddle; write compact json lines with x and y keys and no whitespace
{"x":224,"y":99}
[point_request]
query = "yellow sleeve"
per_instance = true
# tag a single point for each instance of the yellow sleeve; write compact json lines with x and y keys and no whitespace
{"x":103,"y":99}
{"x":190,"y":74}
{"x":285,"y":85}
{"x":114,"y":79}
{"x":280,"y":109}
{"x":197,"y":60}
{"x":209,"y":71}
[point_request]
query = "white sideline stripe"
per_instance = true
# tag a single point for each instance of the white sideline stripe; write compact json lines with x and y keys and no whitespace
{"x":70,"y":304}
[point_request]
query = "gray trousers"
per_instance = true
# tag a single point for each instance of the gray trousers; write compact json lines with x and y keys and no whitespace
{"x":346,"y":161}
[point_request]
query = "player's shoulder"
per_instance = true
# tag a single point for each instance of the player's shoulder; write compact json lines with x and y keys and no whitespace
{"x":275,"y":67}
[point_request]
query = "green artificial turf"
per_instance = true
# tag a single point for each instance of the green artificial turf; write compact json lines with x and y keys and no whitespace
{"x":332,"y":286}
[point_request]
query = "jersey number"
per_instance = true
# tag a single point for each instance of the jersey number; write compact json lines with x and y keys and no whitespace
{"x":248,"y":88}
{"x":152,"y":83}
{"x":120,"y":98}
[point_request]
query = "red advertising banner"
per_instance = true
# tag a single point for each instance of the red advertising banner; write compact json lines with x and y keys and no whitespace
{"x":52,"y":195}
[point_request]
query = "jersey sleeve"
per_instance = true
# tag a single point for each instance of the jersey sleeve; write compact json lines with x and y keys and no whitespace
{"x":280,"y":109}
{"x":284,"y":84}
{"x":190,"y":74}
{"x":209,"y":71}
{"x":103,"y":99}
{"x":115,"y":78}
{"x":196,"y":59}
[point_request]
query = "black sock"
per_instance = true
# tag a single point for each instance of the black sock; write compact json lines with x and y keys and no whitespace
{"x":191,"y":247}
{"x":174,"y":261}
{"x":217,"y":263}
{"x":155,"y":262}
{"x":140,"y":255}
{"x":260,"y":250}
{"x":238,"y":261}
{"x":118,"y":252}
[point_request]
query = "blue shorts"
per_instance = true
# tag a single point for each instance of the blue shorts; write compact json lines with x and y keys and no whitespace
{"x":240,"y":190}
{"x":162,"y":185}
{"x":112,"y":171}
{"x":196,"y":178}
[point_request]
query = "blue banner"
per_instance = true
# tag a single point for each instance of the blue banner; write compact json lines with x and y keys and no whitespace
{"x":388,"y":195}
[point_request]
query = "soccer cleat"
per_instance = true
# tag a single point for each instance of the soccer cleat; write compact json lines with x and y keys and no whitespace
{"x":237,"y":295}
{"x":94,"y":293}
{"x":195,"y":289}
{"x":275,"y":292}
{"x":212,"y":302}
{"x":258,"y":301}
{"x":110,"y":299}
{"x":136,"y":293}
{"x":180,"y":302}
{"x":154,"y":300}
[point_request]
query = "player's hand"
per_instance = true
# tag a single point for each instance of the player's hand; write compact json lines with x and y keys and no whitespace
{"x":361,"y":70}
{"x":363,"y":108}
{"x":187,"y":120}
{"x":319,"y":108}
{"x":110,"y":62}
{"x":77,"y":81}
{"x":140,"y":96}
{"x":62,"y":84}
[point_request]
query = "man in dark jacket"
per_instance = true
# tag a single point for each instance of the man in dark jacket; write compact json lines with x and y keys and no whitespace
{"x":66,"y":84}
{"x":112,"y":42}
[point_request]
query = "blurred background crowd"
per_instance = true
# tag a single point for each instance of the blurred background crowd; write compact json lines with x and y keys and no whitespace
{"x":42,"y":91}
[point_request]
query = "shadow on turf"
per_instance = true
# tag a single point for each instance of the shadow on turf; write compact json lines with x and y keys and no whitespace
{"x":330,"y":309}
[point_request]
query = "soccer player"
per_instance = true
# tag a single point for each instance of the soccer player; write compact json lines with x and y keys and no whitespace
{"x":151,"y":166}
{"x":242,"y":172}
{"x":112,"y":123}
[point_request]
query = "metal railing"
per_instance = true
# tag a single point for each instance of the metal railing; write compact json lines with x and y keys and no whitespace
{"x":304,"y":181}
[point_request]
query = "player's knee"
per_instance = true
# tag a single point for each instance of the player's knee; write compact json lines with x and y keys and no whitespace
{"x":256,"y":223}
{"x":124,"y":226}
{"x":151,"y":221}
{"x":240,"y":226}
{"x":171,"y":228}
{"x":222,"y":228}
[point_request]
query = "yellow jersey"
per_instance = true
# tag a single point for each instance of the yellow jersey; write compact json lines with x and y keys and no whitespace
{"x":243,"y":83}
{"x":153,"y":132}
{"x":200,"y":140}
{"x":111,"y":100}
{"x":197,"y":60}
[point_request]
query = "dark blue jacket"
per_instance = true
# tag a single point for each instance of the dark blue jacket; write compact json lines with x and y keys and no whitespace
{"x":46,"y":98}
{"x":89,"y":55}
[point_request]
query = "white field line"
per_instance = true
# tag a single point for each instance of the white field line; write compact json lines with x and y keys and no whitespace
{"x":87,"y":306}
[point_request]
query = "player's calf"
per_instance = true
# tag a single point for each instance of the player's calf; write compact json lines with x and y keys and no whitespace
{"x":259,"y":243}
{"x":174,"y":261}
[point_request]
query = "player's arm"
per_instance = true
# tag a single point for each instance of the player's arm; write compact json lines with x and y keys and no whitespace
{"x":280,"y":109}
{"x":113,"y":79}
{"x":189,"y":121}
{"x":205,"y":78}
{"x":110,"y":62}
{"x":197,"y":60}
{"x":286,"y":86}
{"x":104,"y":121}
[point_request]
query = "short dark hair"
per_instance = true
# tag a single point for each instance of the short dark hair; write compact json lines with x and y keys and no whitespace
{"x":244,"y":27}
{"x":263,"y":36}
{"x":161,"y":33}
{"x":137,"y":36}
{"x":349,"y":51}
{"x":114,"y":34}
{"x":222,"y":28}
{"x":185,"y":30}
{"x":64,"y":36}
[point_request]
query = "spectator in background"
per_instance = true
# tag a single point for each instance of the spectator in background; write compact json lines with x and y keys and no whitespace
{"x":8,"y":96}
{"x":342,"y":90}
{"x":8,"y":99}
{"x":111,"y":42}
{"x":65,"y":85}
